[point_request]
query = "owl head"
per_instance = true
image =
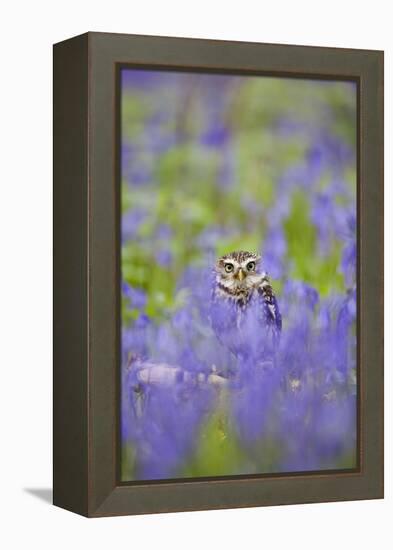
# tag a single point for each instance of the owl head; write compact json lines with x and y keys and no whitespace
{"x":238,"y":270}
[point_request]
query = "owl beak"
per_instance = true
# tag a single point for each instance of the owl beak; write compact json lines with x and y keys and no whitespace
{"x":240,"y":275}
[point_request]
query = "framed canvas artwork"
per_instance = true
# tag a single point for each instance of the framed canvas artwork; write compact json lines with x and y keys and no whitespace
{"x":218,"y":274}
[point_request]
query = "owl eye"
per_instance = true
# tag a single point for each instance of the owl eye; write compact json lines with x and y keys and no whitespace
{"x":250,"y":266}
{"x":228,"y":268}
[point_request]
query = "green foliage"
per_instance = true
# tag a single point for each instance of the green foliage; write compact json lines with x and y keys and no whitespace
{"x":134,"y":111}
{"x":217,"y":451}
{"x":306,"y":264}
{"x":127,"y":462}
{"x":139,"y":269}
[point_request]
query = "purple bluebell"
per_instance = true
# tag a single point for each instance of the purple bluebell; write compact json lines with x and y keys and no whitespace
{"x":131,"y":222}
{"x":164,"y":258}
{"x":136,"y":296}
{"x":216,"y":136}
{"x":274,"y":250}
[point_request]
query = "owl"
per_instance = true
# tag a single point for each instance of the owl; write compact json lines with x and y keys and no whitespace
{"x":244,"y":311}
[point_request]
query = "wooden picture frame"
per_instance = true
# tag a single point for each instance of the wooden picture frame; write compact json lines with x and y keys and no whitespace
{"x":86,"y":274}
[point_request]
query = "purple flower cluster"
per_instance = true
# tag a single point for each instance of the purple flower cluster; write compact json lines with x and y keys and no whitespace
{"x":209,"y":164}
{"x":302,"y":402}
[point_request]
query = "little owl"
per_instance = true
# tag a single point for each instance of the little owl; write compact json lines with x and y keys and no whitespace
{"x":244,"y":310}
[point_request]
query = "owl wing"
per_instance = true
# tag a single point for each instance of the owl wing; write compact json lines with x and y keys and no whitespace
{"x":271,"y":311}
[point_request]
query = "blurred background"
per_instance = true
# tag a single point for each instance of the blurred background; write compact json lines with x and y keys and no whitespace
{"x":214,"y":163}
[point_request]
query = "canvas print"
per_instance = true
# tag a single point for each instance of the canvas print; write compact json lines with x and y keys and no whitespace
{"x":238,"y":275}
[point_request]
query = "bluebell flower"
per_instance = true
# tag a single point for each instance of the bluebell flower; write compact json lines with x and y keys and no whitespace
{"x":216,"y":136}
{"x":300,"y":293}
{"x":226,"y":177}
{"x":322,"y":215}
{"x":164,"y":232}
{"x":349,"y":255}
{"x":274,"y":251}
{"x":131,"y":222}
{"x":136,"y":296}
{"x":348,"y":263}
{"x":294,"y":400}
{"x":164,"y":258}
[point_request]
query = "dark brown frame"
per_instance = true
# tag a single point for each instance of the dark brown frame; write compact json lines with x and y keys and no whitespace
{"x":86,"y":274}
